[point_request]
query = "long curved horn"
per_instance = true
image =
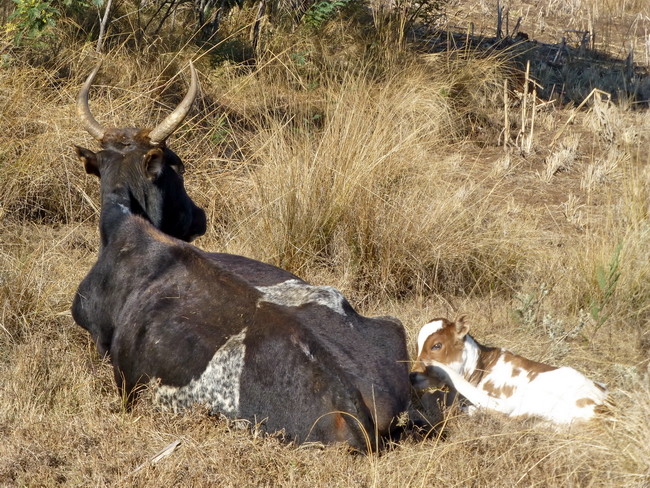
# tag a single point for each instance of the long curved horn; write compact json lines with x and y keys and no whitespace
{"x":163,"y":130}
{"x":93,"y":127}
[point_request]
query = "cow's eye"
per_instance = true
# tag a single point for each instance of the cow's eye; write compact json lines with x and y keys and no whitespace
{"x":436,"y":346}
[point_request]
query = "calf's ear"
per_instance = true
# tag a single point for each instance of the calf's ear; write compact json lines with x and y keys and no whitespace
{"x":89,"y":159}
{"x":462,"y":327}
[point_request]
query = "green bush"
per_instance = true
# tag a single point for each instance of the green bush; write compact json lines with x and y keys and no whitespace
{"x":34,"y":19}
{"x":322,"y":12}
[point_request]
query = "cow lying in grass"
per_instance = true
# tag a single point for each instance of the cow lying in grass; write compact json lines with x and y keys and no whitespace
{"x":247,"y":339}
{"x":496,"y":379}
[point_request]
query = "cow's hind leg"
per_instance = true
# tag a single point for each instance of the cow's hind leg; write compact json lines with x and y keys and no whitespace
{"x":349,"y":420}
{"x":305,"y":393}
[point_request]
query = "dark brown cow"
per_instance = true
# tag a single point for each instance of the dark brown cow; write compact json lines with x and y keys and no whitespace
{"x":246,"y":338}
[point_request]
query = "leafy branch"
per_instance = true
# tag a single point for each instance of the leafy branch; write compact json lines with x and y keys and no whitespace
{"x":322,"y":12}
{"x":607,"y":281}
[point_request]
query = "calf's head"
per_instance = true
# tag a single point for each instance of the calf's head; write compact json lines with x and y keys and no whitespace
{"x":440,"y":340}
{"x":139,"y":172}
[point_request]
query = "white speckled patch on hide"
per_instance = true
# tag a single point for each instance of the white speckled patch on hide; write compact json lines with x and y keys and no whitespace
{"x":217,"y":387}
{"x":293,"y":293}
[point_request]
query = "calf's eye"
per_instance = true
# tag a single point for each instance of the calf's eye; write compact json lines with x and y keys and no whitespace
{"x":436,"y":346}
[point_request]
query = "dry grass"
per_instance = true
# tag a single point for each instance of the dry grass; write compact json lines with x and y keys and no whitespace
{"x":342,"y":195}
{"x":384,"y":176}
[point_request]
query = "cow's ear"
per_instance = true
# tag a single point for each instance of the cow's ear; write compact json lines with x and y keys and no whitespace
{"x":462,"y":327}
{"x":89,"y":159}
{"x":152,"y":163}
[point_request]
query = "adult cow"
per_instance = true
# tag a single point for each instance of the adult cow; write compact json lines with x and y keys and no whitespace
{"x":248,"y":339}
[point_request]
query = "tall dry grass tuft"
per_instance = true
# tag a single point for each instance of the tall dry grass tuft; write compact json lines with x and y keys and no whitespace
{"x":609,"y":266}
{"x":29,"y":141}
{"x":24,"y":297}
{"x":39,"y":268}
{"x":629,"y":224}
{"x":630,"y":429}
{"x":363,"y":187}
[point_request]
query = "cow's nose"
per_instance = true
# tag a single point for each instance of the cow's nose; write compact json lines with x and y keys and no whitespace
{"x":199,"y":224}
{"x":419,"y":380}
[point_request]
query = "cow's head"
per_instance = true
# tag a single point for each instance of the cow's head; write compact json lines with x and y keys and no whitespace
{"x":440,"y":340}
{"x":136,"y":164}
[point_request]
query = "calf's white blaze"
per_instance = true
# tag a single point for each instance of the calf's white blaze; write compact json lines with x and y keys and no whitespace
{"x":426,"y":331}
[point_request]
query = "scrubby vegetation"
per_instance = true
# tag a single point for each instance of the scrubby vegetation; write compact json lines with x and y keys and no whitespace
{"x":401,"y":156}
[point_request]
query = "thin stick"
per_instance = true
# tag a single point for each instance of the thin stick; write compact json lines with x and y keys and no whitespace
{"x":255,"y":30}
{"x":163,"y":453}
{"x":523,"y":107}
{"x":532,"y":121}
{"x":559,"y":51}
{"x":506,"y":122}
{"x":516,"y":29}
{"x":499,"y":21}
{"x":575,"y":112}
{"x":103,"y":25}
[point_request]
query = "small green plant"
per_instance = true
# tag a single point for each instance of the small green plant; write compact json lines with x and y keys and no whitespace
{"x":31,"y":19}
{"x":221,"y":131}
{"x":5,"y":60}
{"x":300,"y":58}
{"x":527,"y":313}
{"x":561,"y":337}
{"x":607,"y":280}
{"x":322,"y":12}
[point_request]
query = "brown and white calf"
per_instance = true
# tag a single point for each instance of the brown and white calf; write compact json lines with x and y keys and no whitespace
{"x":499,"y":380}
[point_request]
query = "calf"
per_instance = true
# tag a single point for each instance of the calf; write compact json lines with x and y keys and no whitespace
{"x":245,"y":338}
{"x":497,"y":379}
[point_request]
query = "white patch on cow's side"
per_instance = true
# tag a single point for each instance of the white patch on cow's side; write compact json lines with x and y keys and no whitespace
{"x":294,"y":293}
{"x":217,"y":387}
{"x":426,"y":331}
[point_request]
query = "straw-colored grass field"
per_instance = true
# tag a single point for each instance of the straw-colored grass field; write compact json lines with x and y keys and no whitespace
{"x":397,"y":172}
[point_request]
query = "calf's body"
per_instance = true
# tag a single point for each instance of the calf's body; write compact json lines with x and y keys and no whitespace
{"x":497,"y":379}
